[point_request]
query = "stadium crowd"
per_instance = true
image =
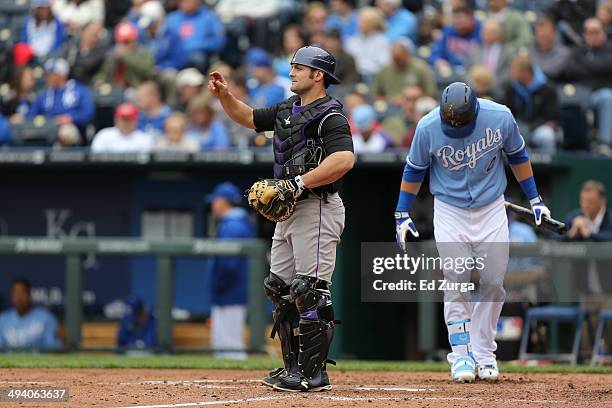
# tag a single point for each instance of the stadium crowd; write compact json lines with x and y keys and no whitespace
{"x":131,"y":75}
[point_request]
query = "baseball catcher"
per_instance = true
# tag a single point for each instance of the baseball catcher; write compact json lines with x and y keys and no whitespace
{"x":313,"y":150}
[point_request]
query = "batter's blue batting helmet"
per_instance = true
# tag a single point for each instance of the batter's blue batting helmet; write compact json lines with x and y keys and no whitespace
{"x":317,"y":58}
{"x":458,"y":110}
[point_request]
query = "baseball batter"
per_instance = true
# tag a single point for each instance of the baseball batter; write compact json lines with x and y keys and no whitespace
{"x":313,"y":150}
{"x":461,"y":143}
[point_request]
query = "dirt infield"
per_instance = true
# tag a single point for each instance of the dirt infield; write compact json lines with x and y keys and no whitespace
{"x":191,"y":388}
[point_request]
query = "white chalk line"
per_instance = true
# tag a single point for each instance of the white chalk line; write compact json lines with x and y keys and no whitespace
{"x":206,"y":403}
{"x":177,"y":382}
{"x":393,"y":389}
{"x":347,"y":399}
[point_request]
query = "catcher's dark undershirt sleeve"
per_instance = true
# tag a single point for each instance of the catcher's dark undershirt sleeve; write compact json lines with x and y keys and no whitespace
{"x":336,"y":135}
{"x":264,"y":118}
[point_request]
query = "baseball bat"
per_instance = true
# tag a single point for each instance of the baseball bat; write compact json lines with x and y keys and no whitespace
{"x":549,"y":224}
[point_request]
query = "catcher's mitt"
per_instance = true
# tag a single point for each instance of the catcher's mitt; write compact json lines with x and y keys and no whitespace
{"x":273,"y":198}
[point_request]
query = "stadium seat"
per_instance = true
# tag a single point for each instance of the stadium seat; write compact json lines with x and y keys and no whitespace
{"x":14,"y":6}
{"x":573,"y":106}
{"x":107,"y":98}
{"x":599,"y":344}
{"x":37,"y":132}
{"x":575,"y":315}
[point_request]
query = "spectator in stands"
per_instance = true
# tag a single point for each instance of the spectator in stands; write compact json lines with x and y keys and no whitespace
{"x":548,"y":52}
{"x":457,"y":41}
{"x":481,"y":80}
{"x":400,"y":22}
{"x":370,"y":47}
{"x":204,"y":127}
{"x":230,"y":275}
{"x":124,"y":137}
{"x":346,"y":69}
{"x":166,"y":46}
{"x":189,"y":84}
{"x":315,"y":19}
{"x":516,"y":29}
{"x":293,"y":39}
{"x":5,"y":130}
{"x":254,"y":18}
{"x":86,"y":53}
{"x":569,"y":15}
{"x":592,"y":222}
{"x":128,"y":65}
{"x":200,"y":29}
{"x":64,"y":101}
{"x":401,"y":124}
{"x":533,"y":101}
{"x":22,"y":93}
{"x":590,"y":65}
{"x":344,"y":18}
{"x":269,"y":89}
{"x":26,"y":326}
{"x":153,"y":112}
{"x":137,"y":329}
{"x":405,"y":69}
{"x":604,"y":14}
{"x":76,"y":14}
{"x":175,"y":138}
{"x":370,"y":136}
{"x":42,"y":31}
{"x":493,"y":53}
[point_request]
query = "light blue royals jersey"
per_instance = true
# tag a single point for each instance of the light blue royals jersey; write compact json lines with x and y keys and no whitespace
{"x":467,"y":172}
{"x":37,"y":330}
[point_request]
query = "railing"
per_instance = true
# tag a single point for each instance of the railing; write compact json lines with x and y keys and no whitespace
{"x":75,"y":249}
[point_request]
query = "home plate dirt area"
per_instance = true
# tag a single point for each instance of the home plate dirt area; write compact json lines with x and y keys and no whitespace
{"x":192,"y":388}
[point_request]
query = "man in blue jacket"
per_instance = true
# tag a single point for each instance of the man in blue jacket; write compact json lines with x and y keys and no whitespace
{"x":165,"y":45}
{"x":200,"y":30}
{"x":63,"y":101}
{"x":229,"y":274}
{"x":457,"y":40}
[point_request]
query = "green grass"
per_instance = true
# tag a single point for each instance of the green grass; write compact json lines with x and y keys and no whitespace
{"x":207,"y":362}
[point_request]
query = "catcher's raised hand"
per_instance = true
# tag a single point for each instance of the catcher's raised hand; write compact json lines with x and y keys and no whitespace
{"x":217,"y":84}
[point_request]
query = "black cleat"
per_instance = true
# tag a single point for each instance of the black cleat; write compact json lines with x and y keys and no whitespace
{"x":273,"y":377}
{"x":299,"y":383}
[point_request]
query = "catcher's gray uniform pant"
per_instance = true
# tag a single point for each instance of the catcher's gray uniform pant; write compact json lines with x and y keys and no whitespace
{"x":306,"y":243}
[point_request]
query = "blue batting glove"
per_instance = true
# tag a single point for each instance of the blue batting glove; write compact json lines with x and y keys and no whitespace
{"x":539,"y":210}
{"x":403,"y":224}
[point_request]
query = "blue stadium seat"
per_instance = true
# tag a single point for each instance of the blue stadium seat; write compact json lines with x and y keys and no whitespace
{"x":37,"y":132}
{"x":14,"y":6}
{"x":575,"y":315}
{"x":599,"y":344}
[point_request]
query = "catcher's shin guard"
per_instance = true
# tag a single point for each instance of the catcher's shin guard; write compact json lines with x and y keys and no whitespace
{"x":286,"y":322}
{"x":313,"y":302}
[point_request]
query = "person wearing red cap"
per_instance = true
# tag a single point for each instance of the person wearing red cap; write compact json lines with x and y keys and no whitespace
{"x":124,"y":137}
{"x":128,"y":65}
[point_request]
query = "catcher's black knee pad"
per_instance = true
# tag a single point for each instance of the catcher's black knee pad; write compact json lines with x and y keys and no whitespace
{"x":286,"y":319}
{"x":316,"y":323}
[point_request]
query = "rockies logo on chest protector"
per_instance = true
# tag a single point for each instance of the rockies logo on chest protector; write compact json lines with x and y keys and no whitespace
{"x":456,"y":157}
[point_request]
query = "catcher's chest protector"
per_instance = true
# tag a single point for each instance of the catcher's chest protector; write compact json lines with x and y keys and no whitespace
{"x":289,"y":131}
